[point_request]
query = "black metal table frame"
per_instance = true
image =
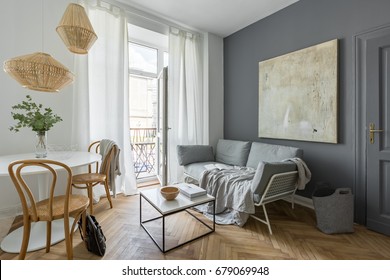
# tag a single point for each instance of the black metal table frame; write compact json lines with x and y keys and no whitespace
{"x":162,"y":248}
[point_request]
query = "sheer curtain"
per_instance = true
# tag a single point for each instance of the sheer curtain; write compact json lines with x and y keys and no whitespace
{"x":101,"y":91}
{"x":186,"y":101}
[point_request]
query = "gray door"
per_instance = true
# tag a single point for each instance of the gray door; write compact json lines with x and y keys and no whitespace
{"x":374,"y":66}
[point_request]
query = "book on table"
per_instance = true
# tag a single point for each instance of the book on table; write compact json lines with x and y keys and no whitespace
{"x":191,"y":190}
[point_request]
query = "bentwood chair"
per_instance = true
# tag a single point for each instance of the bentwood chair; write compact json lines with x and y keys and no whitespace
{"x":98,"y":175}
{"x":50,"y":209}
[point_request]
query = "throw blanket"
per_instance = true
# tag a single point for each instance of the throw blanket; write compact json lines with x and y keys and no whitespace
{"x":304,"y":174}
{"x":233,"y":195}
{"x":105,"y":147}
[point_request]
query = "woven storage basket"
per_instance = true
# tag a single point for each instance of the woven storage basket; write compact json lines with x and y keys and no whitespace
{"x":334,"y":210}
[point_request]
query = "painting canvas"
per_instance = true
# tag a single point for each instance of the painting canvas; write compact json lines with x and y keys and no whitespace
{"x":298,"y":94}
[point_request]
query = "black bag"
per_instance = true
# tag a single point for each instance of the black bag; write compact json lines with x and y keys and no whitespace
{"x":94,"y":238}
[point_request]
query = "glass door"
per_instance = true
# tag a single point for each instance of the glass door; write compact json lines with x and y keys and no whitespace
{"x":162,"y":126}
{"x":147,"y":57}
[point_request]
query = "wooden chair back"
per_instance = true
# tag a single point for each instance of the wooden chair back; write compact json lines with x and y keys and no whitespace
{"x":51,"y":208}
{"x":106,"y":162}
{"x":94,"y":147}
{"x":27,"y":198}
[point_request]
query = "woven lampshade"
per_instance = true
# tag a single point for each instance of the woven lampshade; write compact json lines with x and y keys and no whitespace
{"x":76,"y":30}
{"x":38,"y":71}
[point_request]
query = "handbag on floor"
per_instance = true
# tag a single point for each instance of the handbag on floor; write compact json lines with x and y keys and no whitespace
{"x":94,"y":238}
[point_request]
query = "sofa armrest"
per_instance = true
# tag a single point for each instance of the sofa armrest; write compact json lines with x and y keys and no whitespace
{"x":264,"y":172}
{"x":187,"y":154}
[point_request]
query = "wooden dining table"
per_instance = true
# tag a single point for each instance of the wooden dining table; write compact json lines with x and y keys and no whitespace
{"x":12,"y":242}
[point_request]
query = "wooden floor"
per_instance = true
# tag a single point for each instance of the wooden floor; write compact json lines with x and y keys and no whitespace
{"x":294,"y":237}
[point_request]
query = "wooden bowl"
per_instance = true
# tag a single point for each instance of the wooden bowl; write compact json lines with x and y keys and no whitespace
{"x":169,"y":192}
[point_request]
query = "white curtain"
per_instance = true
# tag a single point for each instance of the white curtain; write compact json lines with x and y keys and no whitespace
{"x":186,"y":101}
{"x":101,"y":91}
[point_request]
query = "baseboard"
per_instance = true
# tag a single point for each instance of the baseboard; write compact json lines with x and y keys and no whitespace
{"x":303,"y":201}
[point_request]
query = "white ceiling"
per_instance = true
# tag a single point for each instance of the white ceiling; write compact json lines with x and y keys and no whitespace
{"x":221,"y":17}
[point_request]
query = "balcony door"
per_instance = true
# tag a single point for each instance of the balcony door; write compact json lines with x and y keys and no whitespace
{"x":147,"y":57}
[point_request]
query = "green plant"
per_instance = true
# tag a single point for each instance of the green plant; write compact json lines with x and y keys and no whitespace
{"x":37,"y":118}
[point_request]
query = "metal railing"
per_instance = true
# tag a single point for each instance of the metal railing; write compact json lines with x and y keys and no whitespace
{"x":143,"y":145}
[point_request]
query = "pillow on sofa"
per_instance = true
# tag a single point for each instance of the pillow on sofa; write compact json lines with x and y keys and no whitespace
{"x":270,"y":153}
{"x":264,"y":172}
{"x":232,"y":152}
{"x":194,"y":153}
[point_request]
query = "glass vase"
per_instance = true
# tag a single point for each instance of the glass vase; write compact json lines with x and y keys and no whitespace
{"x":41,"y":144}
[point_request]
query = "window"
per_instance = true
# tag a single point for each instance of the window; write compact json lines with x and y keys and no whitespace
{"x":143,"y":60}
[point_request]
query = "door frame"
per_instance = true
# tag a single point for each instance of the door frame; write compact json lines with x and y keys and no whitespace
{"x":361,"y":131}
{"x":162,"y":128}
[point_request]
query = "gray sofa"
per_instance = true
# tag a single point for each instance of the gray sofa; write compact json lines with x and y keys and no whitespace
{"x":275,"y":174}
{"x":196,"y":158}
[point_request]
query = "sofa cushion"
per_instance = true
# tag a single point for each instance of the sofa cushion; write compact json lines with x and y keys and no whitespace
{"x":270,"y":153}
{"x":195,"y":170}
{"x":264,"y":172}
{"x":232,"y":152}
{"x":187,"y":154}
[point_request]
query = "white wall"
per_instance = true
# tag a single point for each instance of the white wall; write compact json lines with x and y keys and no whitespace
{"x":27,"y":28}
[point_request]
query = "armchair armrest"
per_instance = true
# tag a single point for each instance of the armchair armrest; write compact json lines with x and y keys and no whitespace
{"x":187,"y":154}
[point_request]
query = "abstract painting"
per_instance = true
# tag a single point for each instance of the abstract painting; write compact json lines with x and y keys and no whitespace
{"x":298,"y":94}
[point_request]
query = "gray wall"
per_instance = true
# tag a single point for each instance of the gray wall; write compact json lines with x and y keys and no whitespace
{"x":303,"y":24}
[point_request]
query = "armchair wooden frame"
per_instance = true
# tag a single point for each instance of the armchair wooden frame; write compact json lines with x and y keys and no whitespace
{"x":52,"y":208}
{"x":95,"y":174}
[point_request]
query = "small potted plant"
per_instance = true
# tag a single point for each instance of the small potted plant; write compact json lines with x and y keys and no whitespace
{"x":37,"y":118}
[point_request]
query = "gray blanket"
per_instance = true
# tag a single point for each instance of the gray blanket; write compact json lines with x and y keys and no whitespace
{"x":304,"y":174}
{"x":233,"y":195}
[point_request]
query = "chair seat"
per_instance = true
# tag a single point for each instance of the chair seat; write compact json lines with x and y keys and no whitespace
{"x":76,"y":204}
{"x":88,"y":178}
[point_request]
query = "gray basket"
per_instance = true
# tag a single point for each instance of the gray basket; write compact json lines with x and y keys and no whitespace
{"x":334,"y":210}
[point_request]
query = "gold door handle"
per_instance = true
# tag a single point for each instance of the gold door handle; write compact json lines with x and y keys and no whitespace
{"x":372,"y":131}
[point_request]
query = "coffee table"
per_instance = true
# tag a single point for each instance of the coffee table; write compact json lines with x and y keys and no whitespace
{"x":166,"y":208}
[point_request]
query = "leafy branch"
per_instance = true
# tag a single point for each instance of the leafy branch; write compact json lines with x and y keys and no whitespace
{"x":35,"y":116}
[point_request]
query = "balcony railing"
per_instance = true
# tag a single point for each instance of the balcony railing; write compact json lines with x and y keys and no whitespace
{"x":143,"y":145}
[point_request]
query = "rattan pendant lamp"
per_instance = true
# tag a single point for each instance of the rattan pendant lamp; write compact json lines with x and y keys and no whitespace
{"x":76,"y":30}
{"x":39,"y":71}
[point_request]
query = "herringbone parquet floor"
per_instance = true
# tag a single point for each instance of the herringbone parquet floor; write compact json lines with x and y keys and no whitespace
{"x":294,"y":237}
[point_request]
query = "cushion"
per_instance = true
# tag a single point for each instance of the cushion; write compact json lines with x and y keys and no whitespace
{"x":195,"y":170}
{"x":270,"y":153}
{"x":264,"y":172}
{"x":232,"y":152}
{"x":187,"y":154}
